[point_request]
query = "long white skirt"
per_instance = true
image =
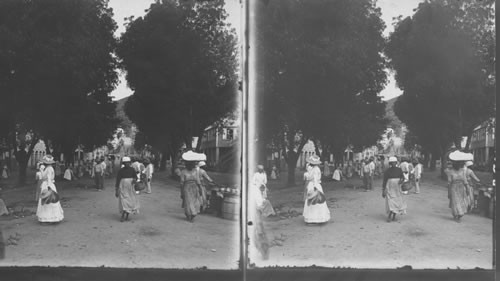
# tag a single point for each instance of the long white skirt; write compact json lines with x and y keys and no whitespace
{"x":318,"y":213}
{"x":49,"y":212}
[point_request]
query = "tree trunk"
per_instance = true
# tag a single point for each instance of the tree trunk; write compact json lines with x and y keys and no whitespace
{"x":426,"y":160}
{"x":200,"y":138}
{"x":163,"y":160}
{"x":432,"y":164}
{"x":467,"y":144}
{"x":443,"y":166}
{"x":316,"y":149}
{"x":47,"y":148}
{"x":291,"y":162}
{"x":189,"y":143}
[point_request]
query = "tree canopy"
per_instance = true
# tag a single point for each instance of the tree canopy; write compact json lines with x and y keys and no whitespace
{"x":181,"y":63}
{"x":57,"y":69}
{"x":319,"y":72}
{"x":443,"y":57}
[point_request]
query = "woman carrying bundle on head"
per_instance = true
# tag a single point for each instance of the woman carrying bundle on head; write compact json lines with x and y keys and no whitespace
{"x":315,"y":208}
{"x":458,"y":187}
{"x":191,"y":190}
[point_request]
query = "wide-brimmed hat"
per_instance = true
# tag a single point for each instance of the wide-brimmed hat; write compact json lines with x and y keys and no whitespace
{"x":469,"y":163}
{"x":393,"y":159}
{"x":202,"y":163}
{"x":126,"y":159}
{"x":48,"y":160}
{"x":314,"y":160}
{"x":458,"y":155}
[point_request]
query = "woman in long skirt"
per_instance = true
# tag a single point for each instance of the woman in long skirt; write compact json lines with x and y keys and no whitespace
{"x":472,"y":179}
{"x":128,"y":202}
{"x":458,"y":187}
{"x":395,"y":203}
{"x":204,"y":179}
{"x":317,"y":212}
{"x":190,"y":186}
{"x":48,"y":212}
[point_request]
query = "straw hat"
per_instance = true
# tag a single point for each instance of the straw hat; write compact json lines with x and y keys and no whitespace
{"x":48,"y":160}
{"x":126,"y":159}
{"x":202,"y":163}
{"x":393,"y":159}
{"x":314,"y":160}
{"x":468,"y":163}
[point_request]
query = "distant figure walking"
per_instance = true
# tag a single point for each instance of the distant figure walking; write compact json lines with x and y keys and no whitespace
{"x":128,"y":202}
{"x":260,"y":178}
{"x":49,"y":207}
{"x":98,"y":174}
{"x":417,"y":171}
{"x":274,"y":173}
{"x":368,"y":172}
{"x":337,"y":174}
{"x":391,"y":191}
{"x":472,"y":180}
{"x":149,"y":174}
{"x":5,"y":172}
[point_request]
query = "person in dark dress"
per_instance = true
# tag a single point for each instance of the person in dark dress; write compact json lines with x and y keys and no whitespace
{"x":395,"y":203}
{"x":127,"y":199}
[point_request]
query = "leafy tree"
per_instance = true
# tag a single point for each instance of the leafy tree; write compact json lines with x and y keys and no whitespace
{"x":56,"y":72}
{"x":443,"y":59}
{"x":181,"y":64}
{"x":319,"y":72}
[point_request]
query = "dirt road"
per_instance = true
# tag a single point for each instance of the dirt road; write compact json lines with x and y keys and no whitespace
{"x":359,"y":237}
{"x":91,"y":234}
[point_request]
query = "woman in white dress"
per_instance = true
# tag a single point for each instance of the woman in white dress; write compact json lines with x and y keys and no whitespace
{"x":259,"y":242}
{"x":51,"y":212}
{"x":315,"y":208}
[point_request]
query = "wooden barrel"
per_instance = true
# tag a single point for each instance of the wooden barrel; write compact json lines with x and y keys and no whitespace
{"x":231,"y":207}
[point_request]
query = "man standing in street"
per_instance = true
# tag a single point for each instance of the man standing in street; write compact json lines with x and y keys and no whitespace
{"x":407,"y":169}
{"x":418,"y":174}
{"x":368,"y":172}
{"x":98,"y":174}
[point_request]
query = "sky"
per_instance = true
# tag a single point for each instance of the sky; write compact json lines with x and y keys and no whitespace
{"x":391,"y":9}
{"x":126,"y":8}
